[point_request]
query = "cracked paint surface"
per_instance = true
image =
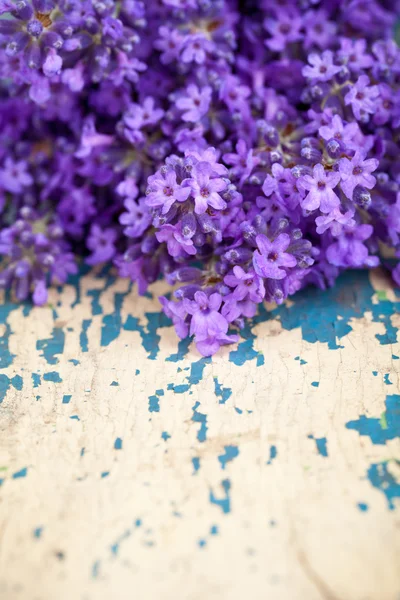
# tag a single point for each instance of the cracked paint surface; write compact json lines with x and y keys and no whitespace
{"x":161,"y":457}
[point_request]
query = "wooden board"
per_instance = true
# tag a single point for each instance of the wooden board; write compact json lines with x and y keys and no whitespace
{"x":132,"y":468}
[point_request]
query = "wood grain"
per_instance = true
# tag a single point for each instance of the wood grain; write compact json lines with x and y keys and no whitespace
{"x":133,"y":468}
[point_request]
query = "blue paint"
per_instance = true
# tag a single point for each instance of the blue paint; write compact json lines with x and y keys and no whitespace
{"x":95,"y":569}
{"x":52,"y":376}
{"x":302,"y":362}
{"x":387,"y":380}
{"x":36,"y":380}
{"x":114,"y":384}
{"x":75,"y":418}
{"x":165,"y":436}
{"x":214,"y":530}
{"x":362,"y":506}
{"x":243,"y":353}
{"x":75,"y":280}
{"x":137,"y":372}
{"x":66,"y":398}
{"x":148,"y":333}
{"x":202,"y":543}
{"x":116,"y":545}
{"x":52,"y":346}
{"x":221,"y":392}
{"x":231,"y":452}
{"x":196,"y":464}
{"x":74,"y":361}
{"x":6,"y":358}
{"x":273,"y":453}
{"x":197,"y":370}
{"x":321,"y":444}
{"x":19,"y":474}
{"x":82,"y":452}
{"x":315,"y":383}
{"x":118,"y":444}
{"x":374,"y":373}
{"x":260,"y":360}
{"x":96,"y":294}
{"x":83,"y":337}
{"x":17,"y":382}
{"x":111,"y":324}
{"x":183,"y":350}
{"x":154,"y":404}
{"x":105,"y":474}
{"x":37,"y":532}
{"x":225,"y":502}
{"x":381,"y":478}
{"x":380,"y":430}
{"x":4,"y":385}
{"x":199,"y":417}
{"x":395,"y":357}
{"x":178,"y":389}
{"x":316,"y":312}
{"x":238,"y":410}
{"x":160,"y":392}
{"x":5,"y":382}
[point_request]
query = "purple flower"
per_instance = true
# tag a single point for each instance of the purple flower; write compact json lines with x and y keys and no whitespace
{"x":128,"y":188}
{"x":164,"y":190}
{"x":177,"y":313}
{"x":169,"y":43}
{"x":348,"y":133}
{"x":91,"y":139}
{"x":177,"y":243}
{"x":319,"y":30}
{"x":285,"y":29}
{"x":357,"y":171}
{"x":271,"y":256}
{"x":195,"y":104}
{"x":207,"y":324}
{"x":349,"y":250}
{"x":210,"y":156}
{"x":243,"y":161}
{"x":101,"y":242}
{"x":322,"y":68}
{"x":335,"y":222}
{"x":53,"y":64}
{"x":246,"y":284}
{"x":393,"y":221}
{"x":353,"y":54}
{"x":205,"y":190}
{"x":14,"y":177}
{"x":195,"y":48}
{"x":74,"y":78}
{"x":320,"y":186}
{"x":137,"y":218}
{"x":385,"y":105}
{"x":235,"y":94}
{"x":362,"y":98}
{"x":143,"y":115}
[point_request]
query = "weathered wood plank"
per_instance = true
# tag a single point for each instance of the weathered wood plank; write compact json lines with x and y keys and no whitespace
{"x":133,"y":468}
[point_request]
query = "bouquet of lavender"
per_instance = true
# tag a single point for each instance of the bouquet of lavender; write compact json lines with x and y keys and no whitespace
{"x":241,"y":149}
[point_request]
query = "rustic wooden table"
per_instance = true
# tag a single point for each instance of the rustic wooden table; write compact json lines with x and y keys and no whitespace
{"x":132,"y":468}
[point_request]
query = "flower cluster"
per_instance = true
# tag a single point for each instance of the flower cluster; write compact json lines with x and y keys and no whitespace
{"x":242,"y":150}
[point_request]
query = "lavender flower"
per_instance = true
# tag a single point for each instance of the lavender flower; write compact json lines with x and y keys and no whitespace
{"x":270,"y":257}
{"x":320,"y":186}
{"x":240,"y":150}
{"x":357,"y":171}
